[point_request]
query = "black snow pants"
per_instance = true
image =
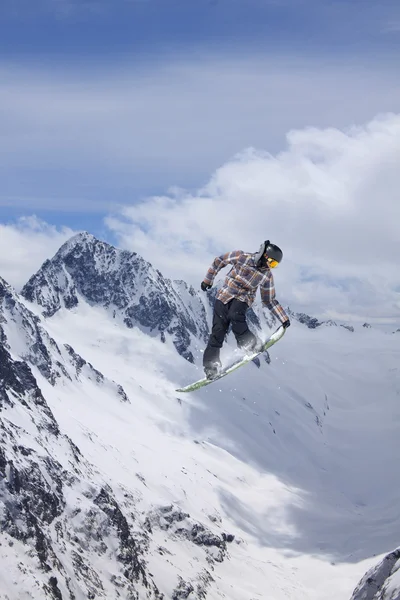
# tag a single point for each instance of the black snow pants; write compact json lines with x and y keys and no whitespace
{"x":234,"y":312}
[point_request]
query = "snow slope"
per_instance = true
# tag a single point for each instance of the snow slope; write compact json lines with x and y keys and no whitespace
{"x":382,"y":582}
{"x":273,"y":483}
{"x":311,"y":442}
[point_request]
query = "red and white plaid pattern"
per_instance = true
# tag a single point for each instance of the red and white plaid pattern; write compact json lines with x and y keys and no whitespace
{"x":243,"y":280}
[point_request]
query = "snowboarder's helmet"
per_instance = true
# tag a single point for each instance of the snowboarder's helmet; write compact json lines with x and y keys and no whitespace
{"x":269,"y":253}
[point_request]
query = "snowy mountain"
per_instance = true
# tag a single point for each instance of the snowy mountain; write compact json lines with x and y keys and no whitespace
{"x":50,"y":503}
{"x":59,"y":512}
{"x":129,"y":287}
{"x":273,"y":483}
{"x":382,"y":582}
{"x":88,"y":270}
{"x":313,"y":322}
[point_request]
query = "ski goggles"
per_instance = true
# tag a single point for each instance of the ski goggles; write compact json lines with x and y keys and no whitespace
{"x":272,"y":263}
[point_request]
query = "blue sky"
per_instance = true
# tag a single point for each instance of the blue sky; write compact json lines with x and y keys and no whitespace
{"x":106,"y":105}
{"x":107,"y":28}
{"x":99,"y":43}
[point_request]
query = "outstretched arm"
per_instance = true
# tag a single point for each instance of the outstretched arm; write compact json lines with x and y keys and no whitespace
{"x":230,"y":258}
{"x":269,"y":300}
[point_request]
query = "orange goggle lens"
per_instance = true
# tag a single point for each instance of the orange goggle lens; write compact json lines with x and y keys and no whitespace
{"x":272,"y":263}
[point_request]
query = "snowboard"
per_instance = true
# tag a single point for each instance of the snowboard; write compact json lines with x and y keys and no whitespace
{"x":276,"y":336}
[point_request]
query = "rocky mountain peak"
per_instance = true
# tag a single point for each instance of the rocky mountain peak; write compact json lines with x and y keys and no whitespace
{"x":314,"y":323}
{"x":52,"y":509}
{"x":69,"y":530}
{"x":381,"y":582}
{"x":130,"y":288}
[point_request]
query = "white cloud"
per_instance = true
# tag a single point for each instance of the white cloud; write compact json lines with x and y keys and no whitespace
{"x":330,"y":200}
{"x":25,"y":245}
{"x":177,"y":121}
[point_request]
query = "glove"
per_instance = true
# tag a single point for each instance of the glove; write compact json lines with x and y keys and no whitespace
{"x":286,"y":324}
{"x":205,"y":286}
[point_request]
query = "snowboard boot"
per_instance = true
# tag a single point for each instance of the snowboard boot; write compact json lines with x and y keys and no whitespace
{"x":253,"y":345}
{"x":258,"y":345}
{"x":211,"y":370}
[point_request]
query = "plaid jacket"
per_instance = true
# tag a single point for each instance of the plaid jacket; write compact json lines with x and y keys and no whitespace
{"x":243,"y":280}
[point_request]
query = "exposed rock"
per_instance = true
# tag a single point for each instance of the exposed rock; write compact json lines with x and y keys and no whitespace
{"x":311,"y":322}
{"x":40,"y":350}
{"x":314,"y":323}
{"x":54,"y":507}
{"x":181,"y":525}
{"x":86,"y":269}
{"x":36,"y":491}
{"x":381,"y":582}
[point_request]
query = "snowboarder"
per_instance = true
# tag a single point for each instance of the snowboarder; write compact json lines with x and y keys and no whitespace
{"x":248,"y":272}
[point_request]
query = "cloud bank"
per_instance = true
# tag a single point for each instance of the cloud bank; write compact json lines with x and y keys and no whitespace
{"x":25,"y":245}
{"x":150,"y":126}
{"x":330,"y":200}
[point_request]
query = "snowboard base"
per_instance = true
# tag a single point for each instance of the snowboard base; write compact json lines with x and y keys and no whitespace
{"x":276,"y":336}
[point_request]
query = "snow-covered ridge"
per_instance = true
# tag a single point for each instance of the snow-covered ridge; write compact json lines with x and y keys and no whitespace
{"x":69,"y":529}
{"x":125,"y":284}
{"x":381,"y":582}
{"x":278,"y":482}
{"x":23,"y":333}
{"x":52,"y":507}
{"x":50,"y":502}
{"x":134,"y":293}
{"x":313,"y":322}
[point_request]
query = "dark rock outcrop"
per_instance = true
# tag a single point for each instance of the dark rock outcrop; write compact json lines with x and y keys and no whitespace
{"x":379,"y":582}
{"x":86,"y":269}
